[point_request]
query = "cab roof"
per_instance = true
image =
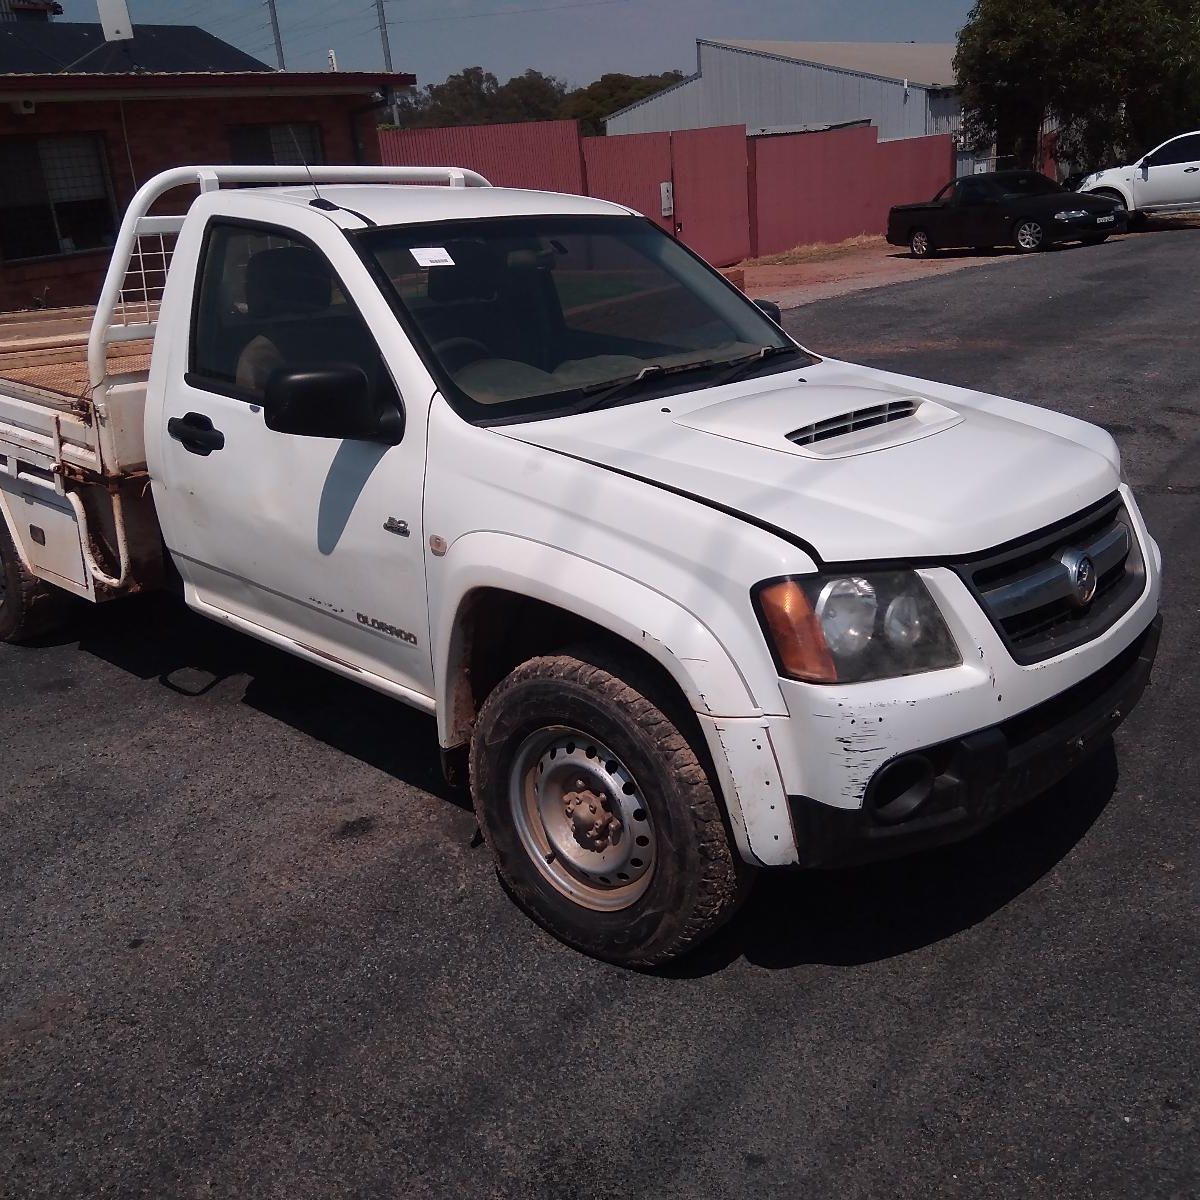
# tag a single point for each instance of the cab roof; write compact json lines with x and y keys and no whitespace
{"x":417,"y":204}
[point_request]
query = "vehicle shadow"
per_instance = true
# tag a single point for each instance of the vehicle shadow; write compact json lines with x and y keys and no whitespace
{"x":157,"y":637}
{"x":867,"y":914}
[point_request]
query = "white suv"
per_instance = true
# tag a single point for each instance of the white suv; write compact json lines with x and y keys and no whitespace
{"x":1165,"y":180}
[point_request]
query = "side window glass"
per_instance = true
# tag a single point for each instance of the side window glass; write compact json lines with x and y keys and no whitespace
{"x":1181,"y":150}
{"x":268,"y":301}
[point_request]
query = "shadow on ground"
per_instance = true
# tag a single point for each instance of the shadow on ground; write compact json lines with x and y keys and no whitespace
{"x":867,"y":914}
{"x":156,"y":637}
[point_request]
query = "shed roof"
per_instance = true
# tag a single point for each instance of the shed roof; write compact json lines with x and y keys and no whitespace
{"x":927,"y":63}
{"x":50,"y":47}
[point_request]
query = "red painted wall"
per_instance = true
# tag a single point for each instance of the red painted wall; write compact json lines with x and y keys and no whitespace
{"x":544,"y":155}
{"x":826,"y":187}
{"x":163,"y":134}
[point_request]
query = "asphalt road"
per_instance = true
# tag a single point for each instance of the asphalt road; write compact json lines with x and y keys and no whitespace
{"x":249,"y":947}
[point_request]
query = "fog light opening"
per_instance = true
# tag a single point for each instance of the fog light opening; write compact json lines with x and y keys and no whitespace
{"x":900,"y":789}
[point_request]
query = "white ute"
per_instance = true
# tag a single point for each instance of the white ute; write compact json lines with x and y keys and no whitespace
{"x":686,"y":599}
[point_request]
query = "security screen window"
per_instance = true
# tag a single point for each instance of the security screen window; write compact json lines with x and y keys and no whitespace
{"x":542,"y":316}
{"x":295,"y":144}
{"x":54,"y":196}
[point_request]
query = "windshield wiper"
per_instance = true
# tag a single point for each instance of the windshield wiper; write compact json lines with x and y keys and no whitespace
{"x":740,"y":367}
{"x":616,"y":389}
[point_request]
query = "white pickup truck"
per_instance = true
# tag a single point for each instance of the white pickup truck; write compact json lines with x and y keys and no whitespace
{"x":686,"y":599}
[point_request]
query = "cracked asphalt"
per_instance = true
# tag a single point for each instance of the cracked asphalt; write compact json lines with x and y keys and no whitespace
{"x":249,"y":946}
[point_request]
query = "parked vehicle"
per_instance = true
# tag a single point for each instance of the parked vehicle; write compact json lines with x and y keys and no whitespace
{"x":1003,"y":208}
{"x":1167,"y":180}
{"x":686,"y":599}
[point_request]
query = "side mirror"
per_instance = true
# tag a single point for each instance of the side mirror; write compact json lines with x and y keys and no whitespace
{"x":333,"y":401}
{"x":771,"y":309}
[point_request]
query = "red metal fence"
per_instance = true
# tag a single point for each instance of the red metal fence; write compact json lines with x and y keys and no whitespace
{"x":733,"y":196}
{"x":826,"y":187}
{"x":544,"y":155}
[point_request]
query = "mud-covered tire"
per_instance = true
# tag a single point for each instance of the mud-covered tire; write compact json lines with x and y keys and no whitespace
{"x":29,"y":607}
{"x":597,"y":699}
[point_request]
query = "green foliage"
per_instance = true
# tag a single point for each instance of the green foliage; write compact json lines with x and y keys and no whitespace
{"x":611,"y":93}
{"x":474,"y":96}
{"x":1116,"y":76}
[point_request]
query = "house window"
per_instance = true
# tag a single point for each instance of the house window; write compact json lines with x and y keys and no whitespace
{"x":55,"y":196}
{"x":290,"y":145}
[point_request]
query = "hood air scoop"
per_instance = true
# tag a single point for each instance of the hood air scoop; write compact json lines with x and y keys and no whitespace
{"x":842,"y":421}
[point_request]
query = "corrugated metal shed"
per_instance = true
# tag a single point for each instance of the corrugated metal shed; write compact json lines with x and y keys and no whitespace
{"x":765,"y":84}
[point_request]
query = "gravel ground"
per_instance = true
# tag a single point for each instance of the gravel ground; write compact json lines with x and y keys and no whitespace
{"x":250,"y":946}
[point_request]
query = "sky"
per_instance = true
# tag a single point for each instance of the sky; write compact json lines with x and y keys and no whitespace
{"x":575,"y":40}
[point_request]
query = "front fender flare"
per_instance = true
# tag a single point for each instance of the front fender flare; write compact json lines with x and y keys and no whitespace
{"x":629,"y":609}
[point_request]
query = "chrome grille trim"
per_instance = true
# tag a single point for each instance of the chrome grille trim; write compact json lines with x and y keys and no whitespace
{"x":1025,"y":587}
{"x":1047,"y":584}
{"x":851,"y":422}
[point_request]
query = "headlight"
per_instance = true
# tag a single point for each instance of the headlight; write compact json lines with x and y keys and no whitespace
{"x":853,"y":628}
{"x":1073,"y":214}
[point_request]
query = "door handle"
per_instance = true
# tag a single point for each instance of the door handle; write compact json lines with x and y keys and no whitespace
{"x":1190,"y":170}
{"x":196,"y":433}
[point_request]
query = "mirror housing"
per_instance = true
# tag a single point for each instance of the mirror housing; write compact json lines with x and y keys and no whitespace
{"x":329,"y":401}
{"x":771,"y":309}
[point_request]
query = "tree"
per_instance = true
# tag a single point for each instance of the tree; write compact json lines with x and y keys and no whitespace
{"x":474,"y":96}
{"x":611,"y":93}
{"x":1116,"y":76}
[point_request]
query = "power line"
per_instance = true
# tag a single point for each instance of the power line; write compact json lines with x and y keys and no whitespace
{"x":503,"y":12}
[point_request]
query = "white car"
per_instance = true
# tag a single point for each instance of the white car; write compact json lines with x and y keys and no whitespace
{"x":1167,"y":180}
{"x":685,"y":599}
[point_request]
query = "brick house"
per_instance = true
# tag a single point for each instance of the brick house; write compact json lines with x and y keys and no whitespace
{"x":76,"y":143}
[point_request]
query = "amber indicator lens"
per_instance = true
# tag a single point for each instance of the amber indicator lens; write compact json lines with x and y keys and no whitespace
{"x":796,"y":633}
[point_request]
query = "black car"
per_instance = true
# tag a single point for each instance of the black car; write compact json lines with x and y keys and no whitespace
{"x":1003,"y":208}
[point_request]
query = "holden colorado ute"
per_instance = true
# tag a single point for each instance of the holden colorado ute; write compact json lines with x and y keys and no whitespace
{"x":686,"y":599}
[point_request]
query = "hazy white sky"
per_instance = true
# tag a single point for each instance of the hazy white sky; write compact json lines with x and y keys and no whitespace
{"x":576,"y":40}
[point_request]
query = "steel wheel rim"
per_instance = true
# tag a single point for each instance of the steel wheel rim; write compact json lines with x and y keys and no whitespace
{"x":582,"y":819}
{"x":920,"y":244}
{"x":1029,"y":235}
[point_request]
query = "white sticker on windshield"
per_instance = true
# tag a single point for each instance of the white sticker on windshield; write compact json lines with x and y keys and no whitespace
{"x":431,"y":256}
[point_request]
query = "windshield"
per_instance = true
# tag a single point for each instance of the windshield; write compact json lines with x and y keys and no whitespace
{"x":541,"y":316}
{"x":1031,"y":184}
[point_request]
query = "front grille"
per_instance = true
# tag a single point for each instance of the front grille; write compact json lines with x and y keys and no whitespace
{"x":851,"y":422}
{"x":1029,"y":591}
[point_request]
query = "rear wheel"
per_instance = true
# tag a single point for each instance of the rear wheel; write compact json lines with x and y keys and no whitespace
{"x":919,"y":244}
{"x":28,"y":607}
{"x":1029,"y":236}
{"x":601,"y":817}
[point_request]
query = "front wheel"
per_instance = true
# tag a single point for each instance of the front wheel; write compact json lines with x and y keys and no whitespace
{"x":1029,"y":236}
{"x":600,"y":815}
{"x":28,"y":607}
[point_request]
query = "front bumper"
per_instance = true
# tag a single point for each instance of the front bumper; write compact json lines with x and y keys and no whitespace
{"x":974,"y":780}
{"x":1093,"y":225}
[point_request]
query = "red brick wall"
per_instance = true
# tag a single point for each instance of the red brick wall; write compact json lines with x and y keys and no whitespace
{"x":164,"y":134}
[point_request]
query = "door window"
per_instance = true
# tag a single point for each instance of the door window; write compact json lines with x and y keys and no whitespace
{"x":267,"y":301}
{"x":1181,"y":150}
{"x":973,"y":191}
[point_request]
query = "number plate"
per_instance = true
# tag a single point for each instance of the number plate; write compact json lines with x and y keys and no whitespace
{"x":1105,"y":220}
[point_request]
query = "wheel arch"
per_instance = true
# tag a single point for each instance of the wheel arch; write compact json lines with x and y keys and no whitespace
{"x":505,"y":603}
{"x":1116,"y":193}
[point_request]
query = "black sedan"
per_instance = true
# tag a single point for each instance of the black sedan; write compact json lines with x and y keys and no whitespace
{"x":1003,"y":208}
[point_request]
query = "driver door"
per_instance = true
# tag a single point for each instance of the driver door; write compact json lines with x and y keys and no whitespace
{"x":1170,"y":175}
{"x":317,"y":539}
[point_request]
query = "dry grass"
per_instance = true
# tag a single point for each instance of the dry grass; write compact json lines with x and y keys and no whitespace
{"x":818,"y":252}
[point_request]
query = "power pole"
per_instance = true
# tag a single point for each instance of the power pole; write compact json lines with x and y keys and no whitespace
{"x":387,"y":53}
{"x":275,"y":31}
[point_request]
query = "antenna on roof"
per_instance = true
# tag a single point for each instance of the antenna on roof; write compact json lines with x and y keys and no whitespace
{"x":319,"y":202}
{"x":114,"y":20}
